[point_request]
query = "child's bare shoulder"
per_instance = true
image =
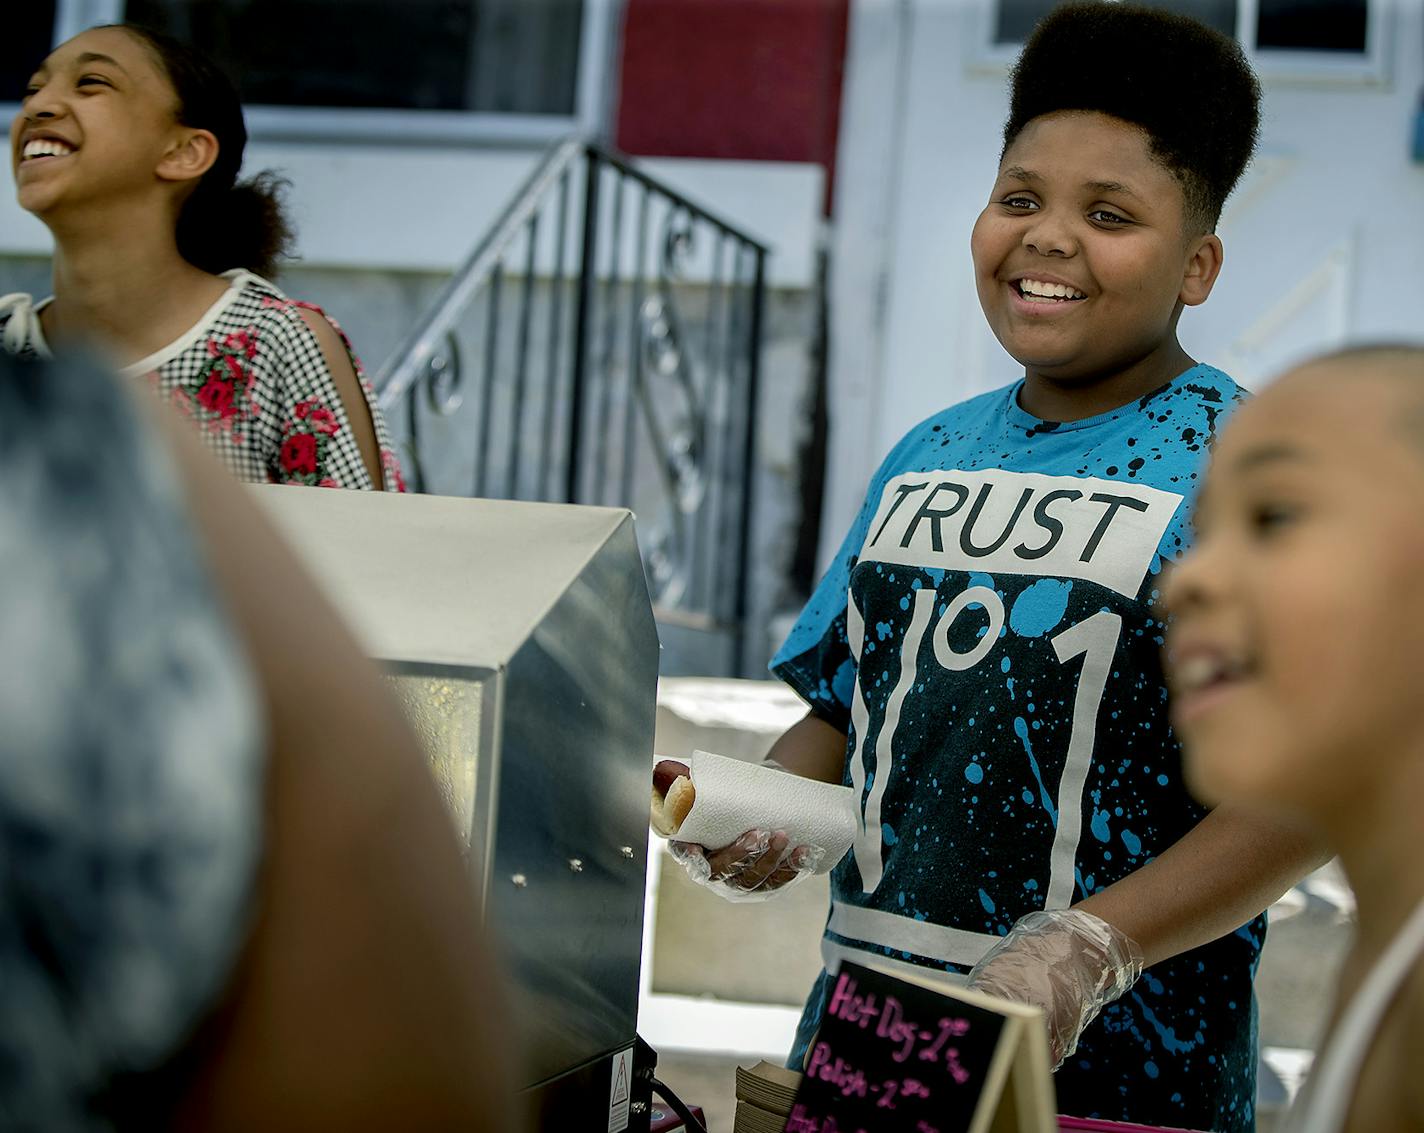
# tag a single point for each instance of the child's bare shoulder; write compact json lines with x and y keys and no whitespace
{"x":1411,"y":1048}
{"x":1390,"y":1093}
{"x":1387,"y":1094}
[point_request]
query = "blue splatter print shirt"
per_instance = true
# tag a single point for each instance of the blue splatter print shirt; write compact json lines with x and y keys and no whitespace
{"x":988,"y":637}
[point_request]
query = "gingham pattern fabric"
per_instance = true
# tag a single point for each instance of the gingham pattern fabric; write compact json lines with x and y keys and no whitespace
{"x":251,"y":376}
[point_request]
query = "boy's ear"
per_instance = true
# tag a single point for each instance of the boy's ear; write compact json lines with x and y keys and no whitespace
{"x":190,"y":156}
{"x":1204,"y":258}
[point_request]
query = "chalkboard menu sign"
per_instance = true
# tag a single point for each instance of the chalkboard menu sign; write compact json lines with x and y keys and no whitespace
{"x":898,"y":1057}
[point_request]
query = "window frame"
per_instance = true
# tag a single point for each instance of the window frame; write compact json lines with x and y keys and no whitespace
{"x":1310,"y":68}
{"x":276,"y":123}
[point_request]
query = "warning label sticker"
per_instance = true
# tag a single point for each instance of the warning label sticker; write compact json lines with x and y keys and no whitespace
{"x":619,"y":1091}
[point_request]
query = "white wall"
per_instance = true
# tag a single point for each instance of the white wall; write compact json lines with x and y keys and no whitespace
{"x":1320,"y":237}
{"x":422,"y":208}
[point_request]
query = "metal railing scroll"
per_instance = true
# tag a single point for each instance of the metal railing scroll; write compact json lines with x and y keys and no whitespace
{"x":600,"y":345}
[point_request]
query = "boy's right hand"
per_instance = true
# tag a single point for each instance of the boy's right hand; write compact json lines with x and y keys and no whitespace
{"x":758,"y":865}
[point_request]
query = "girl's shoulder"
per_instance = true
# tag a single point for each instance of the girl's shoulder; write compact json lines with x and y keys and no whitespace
{"x":283,"y":318}
{"x":262,"y":322}
{"x":1389,"y":1093}
{"x":262,"y":301}
{"x":1411,"y":1047}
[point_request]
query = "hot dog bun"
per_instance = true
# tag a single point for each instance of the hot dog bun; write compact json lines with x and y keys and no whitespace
{"x":673,"y":795}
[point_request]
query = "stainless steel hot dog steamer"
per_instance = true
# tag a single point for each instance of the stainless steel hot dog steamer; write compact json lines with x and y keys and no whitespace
{"x":520,"y":639}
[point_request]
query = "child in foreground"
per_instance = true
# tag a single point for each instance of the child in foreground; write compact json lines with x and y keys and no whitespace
{"x":232,"y":900}
{"x":981,"y":661}
{"x":1295,"y":655}
{"x":127,"y":146}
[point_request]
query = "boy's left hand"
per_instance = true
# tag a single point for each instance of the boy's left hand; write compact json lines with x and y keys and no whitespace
{"x":1068,"y":963}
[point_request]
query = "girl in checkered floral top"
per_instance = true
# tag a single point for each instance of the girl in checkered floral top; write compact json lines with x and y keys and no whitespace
{"x":127,"y":146}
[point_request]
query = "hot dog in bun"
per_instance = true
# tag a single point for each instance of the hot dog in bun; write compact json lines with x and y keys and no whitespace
{"x":673,"y":795}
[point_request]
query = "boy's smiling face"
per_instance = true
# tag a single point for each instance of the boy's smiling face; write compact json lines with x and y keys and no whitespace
{"x":1298,"y":631}
{"x":1083,"y":259}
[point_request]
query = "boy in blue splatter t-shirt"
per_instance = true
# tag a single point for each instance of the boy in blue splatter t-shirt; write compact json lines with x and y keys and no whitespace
{"x":981,"y":660}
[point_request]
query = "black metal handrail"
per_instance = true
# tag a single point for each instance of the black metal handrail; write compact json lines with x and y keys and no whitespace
{"x":645,"y":397}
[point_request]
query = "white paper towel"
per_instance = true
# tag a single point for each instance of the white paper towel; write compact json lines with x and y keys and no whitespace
{"x":734,"y":796}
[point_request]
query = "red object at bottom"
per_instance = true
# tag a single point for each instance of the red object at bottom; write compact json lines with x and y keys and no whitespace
{"x":664,"y":1120}
{"x":1096,"y":1125}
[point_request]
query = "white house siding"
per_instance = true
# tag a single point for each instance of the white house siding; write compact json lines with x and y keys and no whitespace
{"x":1320,"y":236}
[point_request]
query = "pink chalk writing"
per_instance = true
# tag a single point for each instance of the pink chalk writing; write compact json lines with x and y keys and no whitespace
{"x":894,"y":1057}
{"x":803,"y":1120}
{"x":891,"y":1023}
{"x":850,"y":1081}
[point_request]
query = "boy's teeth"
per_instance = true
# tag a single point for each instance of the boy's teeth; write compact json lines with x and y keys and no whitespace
{"x":46,"y":147}
{"x":1196,"y":672}
{"x":1049,"y":290}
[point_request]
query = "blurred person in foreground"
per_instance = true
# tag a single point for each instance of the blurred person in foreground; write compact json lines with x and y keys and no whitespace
{"x":127,"y":146}
{"x":231,"y":897}
{"x":1294,"y":657}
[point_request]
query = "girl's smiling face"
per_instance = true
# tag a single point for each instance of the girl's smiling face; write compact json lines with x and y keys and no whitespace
{"x":97,"y":120}
{"x":1082,"y":256}
{"x":1297,"y":640}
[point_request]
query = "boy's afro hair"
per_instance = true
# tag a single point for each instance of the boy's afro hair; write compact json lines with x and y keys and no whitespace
{"x":1188,"y":86}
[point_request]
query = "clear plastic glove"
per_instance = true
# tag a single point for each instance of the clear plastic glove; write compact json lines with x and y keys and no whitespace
{"x":757,"y":866}
{"x":1067,"y":962}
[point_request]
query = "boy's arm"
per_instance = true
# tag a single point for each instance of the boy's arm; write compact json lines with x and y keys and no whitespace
{"x":811,"y":748}
{"x":1224,"y":871}
{"x":1072,"y":962}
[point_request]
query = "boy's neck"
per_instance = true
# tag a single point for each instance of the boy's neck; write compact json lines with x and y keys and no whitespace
{"x":124,"y":284}
{"x":1073,"y":399}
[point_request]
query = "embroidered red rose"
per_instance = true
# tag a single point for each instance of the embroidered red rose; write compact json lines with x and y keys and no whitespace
{"x":299,"y":454}
{"x":217,"y":396}
{"x":323,"y":420}
{"x":327,"y":482}
{"x":302,"y":410}
{"x":237,"y":342}
{"x":242,"y":342}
